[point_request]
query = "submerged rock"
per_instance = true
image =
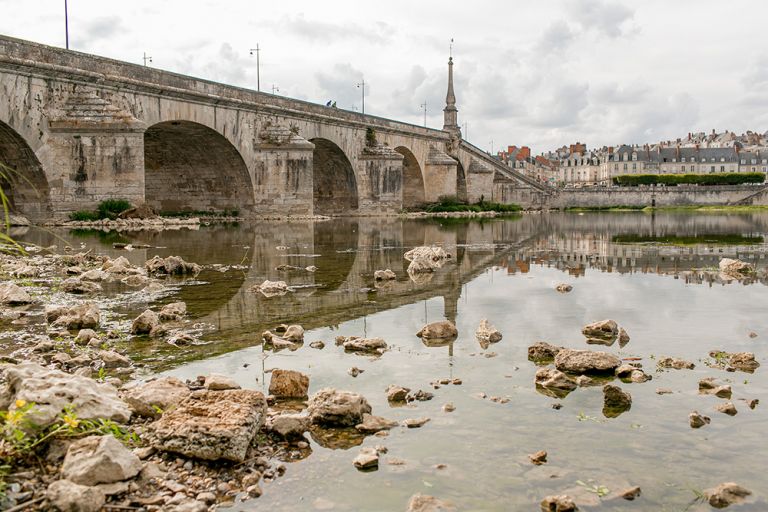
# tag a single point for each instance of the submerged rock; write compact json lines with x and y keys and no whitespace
{"x":438,"y":330}
{"x":384,"y":275}
{"x":675,"y":363}
{"x":615,"y":401}
{"x":212,"y":425}
{"x":726,"y":494}
{"x":560,"y":503}
{"x":425,"y":259}
{"x":13,"y":295}
{"x":697,"y":420}
{"x":415,"y":422}
{"x":337,"y":408}
{"x":79,"y":287}
{"x":290,"y":425}
{"x":172,"y":265}
{"x":99,"y":460}
{"x":152,"y":398}
{"x":425,"y":503}
{"x":563,"y":288}
{"x":743,"y":361}
{"x":53,"y":390}
{"x":586,"y":361}
{"x":67,"y":496}
{"x":604,"y":330}
{"x":556,"y":380}
{"x":372,"y":424}
{"x":487,"y":333}
{"x":294,"y":333}
{"x":173,"y":312}
{"x":355,"y":344}
{"x":271,"y":288}
{"x":367,"y":459}
{"x":542,"y":351}
{"x":288,"y":384}
{"x":727,"y":408}
{"x":397,"y":393}
{"x":709,"y":386}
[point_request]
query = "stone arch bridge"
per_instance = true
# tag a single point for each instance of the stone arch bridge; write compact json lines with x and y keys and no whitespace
{"x":77,"y":129}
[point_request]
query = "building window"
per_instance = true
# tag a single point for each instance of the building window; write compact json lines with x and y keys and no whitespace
{"x":722,"y":168}
{"x":712,"y":169}
{"x":634,"y":167}
{"x":743,"y":161}
{"x":682,"y":159}
{"x":625,"y":167}
{"x":616,"y":167}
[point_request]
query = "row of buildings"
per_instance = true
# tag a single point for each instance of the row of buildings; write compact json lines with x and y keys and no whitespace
{"x":578,"y":166}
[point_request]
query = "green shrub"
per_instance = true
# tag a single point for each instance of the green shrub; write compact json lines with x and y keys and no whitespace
{"x":731,"y":178}
{"x":452,"y":204}
{"x":111,"y":208}
{"x":84,"y":215}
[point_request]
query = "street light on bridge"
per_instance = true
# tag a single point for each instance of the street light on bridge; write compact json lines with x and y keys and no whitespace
{"x":258,"y":67}
{"x":424,"y":107}
{"x":66,"y":24}
{"x":361,"y":85}
{"x":147,"y":58}
{"x":275,"y":89}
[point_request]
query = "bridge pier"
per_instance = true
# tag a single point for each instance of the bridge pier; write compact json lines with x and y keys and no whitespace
{"x":440,"y":173}
{"x":380,"y":185}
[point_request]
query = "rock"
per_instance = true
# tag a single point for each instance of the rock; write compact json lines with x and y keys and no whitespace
{"x":554,"y":379}
{"x":84,"y":316}
{"x":355,"y":371}
{"x":727,"y":408}
{"x":113,"y":360}
{"x":744,"y":361}
{"x":94,"y":275}
{"x":372,"y":424}
{"x":726,"y":494}
{"x":425,"y":259}
{"x":615,"y":401}
{"x":172,"y":265}
{"x":12,"y":294}
{"x":563,"y":288}
{"x":152,"y":398}
{"x":145,"y":323}
{"x":67,"y":496}
{"x":639,"y":375}
{"x":173,"y":312}
{"x":675,"y":363}
{"x":189,"y":506}
{"x":438,"y":330}
{"x":602,"y":330}
{"x":623,"y":337}
{"x":84,"y":336}
{"x":384,"y":275}
{"x":486,"y":333}
{"x":142,"y":211}
{"x":585,"y":361}
{"x":340,"y":408}
{"x":560,"y":503}
{"x":99,"y":460}
{"x":271,"y":288}
{"x":736,"y":268}
{"x":355,"y":344}
{"x":449,"y":407}
{"x":219,"y":382}
{"x":630,"y":493}
{"x":53,"y":390}
{"x":420,"y":395}
{"x":78,"y":286}
{"x":542,"y":351}
{"x":538,"y":458}
{"x":753,"y":403}
{"x":425,"y":503}
{"x":709,"y":386}
{"x":415,"y":422}
{"x":288,"y":384}
{"x":664,"y":391}
{"x":135,"y":281}
{"x":288,"y":425}
{"x":294,"y":333}
{"x":319,"y":345}
{"x":212,"y":425}
{"x":697,"y":420}
{"x":368,"y":458}
{"x":397,"y":393}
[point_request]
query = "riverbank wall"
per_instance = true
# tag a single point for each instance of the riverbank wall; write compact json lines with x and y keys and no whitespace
{"x":606,"y":197}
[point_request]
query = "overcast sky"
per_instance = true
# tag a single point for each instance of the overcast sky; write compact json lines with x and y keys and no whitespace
{"x":542,"y":73}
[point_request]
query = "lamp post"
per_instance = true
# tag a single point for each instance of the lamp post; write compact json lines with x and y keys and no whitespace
{"x":424,"y":107}
{"x":258,"y":67}
{"x":147,"y":58}
{"x":66,"y":24}
{"x":275,"y":89}
{"x":361,"y":85}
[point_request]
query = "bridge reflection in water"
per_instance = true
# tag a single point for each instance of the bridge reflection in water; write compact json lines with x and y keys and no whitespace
{"x":347,"y":252}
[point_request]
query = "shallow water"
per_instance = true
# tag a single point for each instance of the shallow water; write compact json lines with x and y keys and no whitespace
{"x":639,"y":269}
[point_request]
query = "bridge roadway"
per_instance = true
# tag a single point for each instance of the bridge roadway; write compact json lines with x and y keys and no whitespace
{"x":79,"y":129}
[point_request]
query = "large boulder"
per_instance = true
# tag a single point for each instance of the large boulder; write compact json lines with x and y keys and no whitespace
{"x":586,"y":361}
{"x":52,"y":390}
{"x":152,"y":398}
{"x":425,"y":259}
{"x":541,"y":352}
{"x":67,"y":496}
{"x":602,"y":332}
{"x":84,"y":316}
{"x":337,"y":408}
{"x":145,"y":322}
{"x":288,"y":384}
{"x":444,"y":329}
{"x":99,"y":460}
{"x":487,"y":333}
{"x":13,"y":295}
{"x":212,"y":425}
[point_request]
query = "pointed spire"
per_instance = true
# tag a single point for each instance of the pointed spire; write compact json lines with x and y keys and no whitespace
{"x":450,"y":112}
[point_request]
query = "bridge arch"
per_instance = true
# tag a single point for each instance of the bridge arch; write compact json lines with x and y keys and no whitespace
{"x":23,"y":181}
{"x":413,"y":179}
{"x":191,"y":167}
{"x":333,"y":179}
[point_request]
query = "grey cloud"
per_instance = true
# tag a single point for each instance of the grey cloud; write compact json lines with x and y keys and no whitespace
{"x":340,"y":85}
{"x":325,"y":32}
{"x":613,"y":93}
{"x":561,"y":106}
{"x":555,"y":39}
{"x":611,"y":19}
{"x":757,"y":77}
{"x":97,"y":29}
{"x":228,"y":66}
